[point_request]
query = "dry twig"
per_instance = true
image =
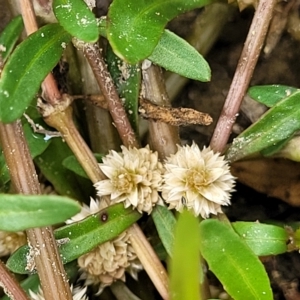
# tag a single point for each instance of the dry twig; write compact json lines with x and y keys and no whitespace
{"x":174,"y":116}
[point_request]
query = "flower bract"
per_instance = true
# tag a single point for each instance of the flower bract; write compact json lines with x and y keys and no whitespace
{"x":198,"y":180}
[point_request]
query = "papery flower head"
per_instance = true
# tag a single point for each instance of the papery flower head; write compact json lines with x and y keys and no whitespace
{"x":198,"y":180}
{"x":134,"y":177}
{"x":11,"y":241}
{"x":107,"y":262}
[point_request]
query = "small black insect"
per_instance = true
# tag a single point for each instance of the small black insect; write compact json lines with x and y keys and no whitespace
{"x":104,"y":217}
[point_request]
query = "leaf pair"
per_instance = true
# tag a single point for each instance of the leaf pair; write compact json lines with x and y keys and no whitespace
{"x":231,"y":253}
{"x":135,"y":31}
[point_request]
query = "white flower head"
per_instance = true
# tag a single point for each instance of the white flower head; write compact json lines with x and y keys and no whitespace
{"x":198,"y":180}
{"x":107,"y":262}
{"x":134,"y":177}
{"x":11,"y":241}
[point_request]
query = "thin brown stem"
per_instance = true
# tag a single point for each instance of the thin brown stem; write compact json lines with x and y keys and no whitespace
{"x":24,"y":179}
{"x":149,"y":260}
{"x":106,"y":84}
{"x":163,"y":137}
{"x":52,"y":275}
{"x":243,"y":74}
{"x":10,"y":285}
{"x":62,"y":120}
{"x":50,"y":90}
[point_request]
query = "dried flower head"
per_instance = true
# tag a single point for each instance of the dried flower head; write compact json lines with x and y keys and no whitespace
{"x":134,"y":177}
{"x":78,"y":293}
{"x":107,"y":262}
{"x":198,"y":180}
{"x":11,"y":241}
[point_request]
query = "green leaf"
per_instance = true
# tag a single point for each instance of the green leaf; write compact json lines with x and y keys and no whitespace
{"x":127,"y":79}
{"x":65,"y":182}
{"x":20,"y":212}
{"x":83,"y":236}
{"x":172,"y":53}
{"x":10,"y":36}
{"x":26,"y":68}
{"x":176,"y":55}
{"x":165,"y":222}
{"x":185,"y":262}
{"x":241,"y":273}
{"x":4,"y":175}
{"x":269,"y":95}
{"x":135,"y":27}
{"x":269,"y":151}
{"x":77,"y":19}
{"x":263,"y":239}
{"x":71,"y":163}
{"x":36,"y":142}
{"x":276,"y":125}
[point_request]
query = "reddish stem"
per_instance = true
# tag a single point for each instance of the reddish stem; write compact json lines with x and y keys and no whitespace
{"x":106,"y":84}
{"x":243,"y":74}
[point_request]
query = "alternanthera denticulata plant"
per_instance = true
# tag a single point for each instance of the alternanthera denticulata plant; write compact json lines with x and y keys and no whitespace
{"x":150,"y":180}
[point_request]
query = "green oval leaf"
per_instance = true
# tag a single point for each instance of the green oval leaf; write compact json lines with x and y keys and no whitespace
{"x":242,"y":274}
{"x":36,"y":142}
{"x":29,"y":64}
{"x":135,"y":27}
{"x":9,"y":37}
{"x":175,"y":54}
{"x":77,"y":19}
{"x":277,"y":124}
{"x":20,"y":212}
{"x":4,"y":175}
{"x":263,"y":239}
{"x":64,"y":181}
{"x":83,"y":236}
{"x":71,"y":163}
{"x":269,"y":95}
{"x":165,"y":222}
{"x":185,"y":262}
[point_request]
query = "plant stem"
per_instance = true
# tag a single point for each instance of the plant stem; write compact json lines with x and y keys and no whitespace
{"x":106,"y":84}
{"x":24,"y":179}
{"x":243,"y":74}
{"x":103,"y":135}
{"x":149,"y":260}
{"x":49,"y":85}
{"x":10,"y":285}
{"x":143,"y":249}
{"x":163,"y":137}
{"x":49,"y":266}
{"x":62,"y":120}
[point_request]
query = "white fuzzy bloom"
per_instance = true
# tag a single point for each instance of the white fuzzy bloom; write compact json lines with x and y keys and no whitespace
{"x":198,"y":180}
{"x":134,"y":177}
{"x":11,"y":241}
{"x":107,"y":262}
